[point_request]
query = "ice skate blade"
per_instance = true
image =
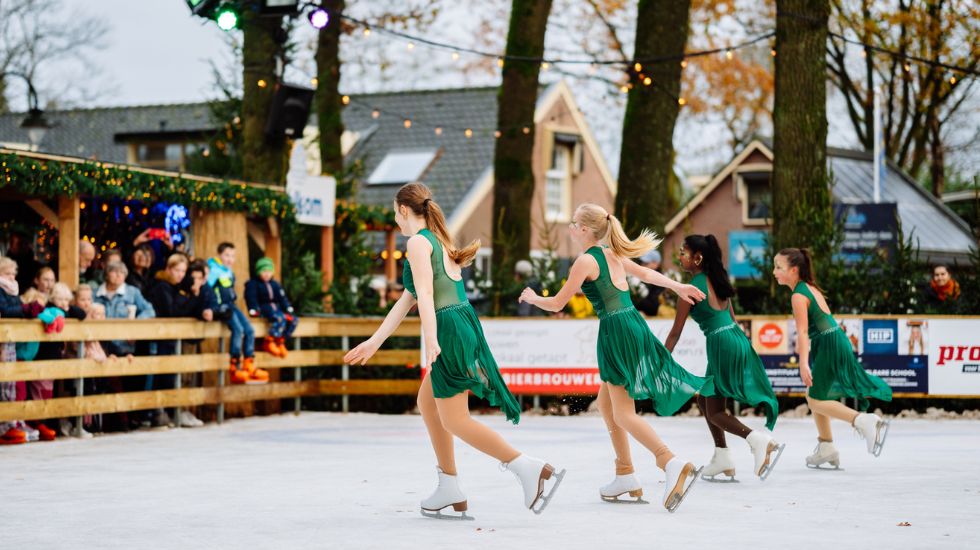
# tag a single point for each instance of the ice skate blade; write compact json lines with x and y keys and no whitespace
{"x":827,"y":468}
{"x":675,"y":500}
{"x":439,"y":515}
{"x":713,"y":479}
{"x":617,"y":500}
{"x":546,"y":500}
{"x":881,"y":437}
{"x":767,"y":468}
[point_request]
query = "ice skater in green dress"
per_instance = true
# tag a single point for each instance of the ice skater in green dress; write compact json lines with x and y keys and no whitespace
{"x":633,"y":364}
{"x":836,"y":373}
{"x":457,"y":358}
{"x":734,"y":367}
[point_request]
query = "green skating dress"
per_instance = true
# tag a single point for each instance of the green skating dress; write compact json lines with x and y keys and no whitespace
{"x":465,"y":362}
{"x":836,"y":372}
{"x":629,"y":354}
{"x":734,"y":367}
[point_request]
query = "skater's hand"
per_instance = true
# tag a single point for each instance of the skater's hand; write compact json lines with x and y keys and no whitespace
{"x":362,"y":353}
{"x":528,"y":296}
{"x":432,"y":351}
{"x":690,"y":294}
{"x":806,"y":375}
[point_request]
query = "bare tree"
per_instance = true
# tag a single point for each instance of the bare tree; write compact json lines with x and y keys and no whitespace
{"x":38,"y":36}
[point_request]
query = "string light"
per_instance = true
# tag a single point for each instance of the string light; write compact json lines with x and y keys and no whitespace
{"x":408,"y":124}
{"x":647,"y":81}
{"x":907,"y":67}
{"x":367,"y":33}
{"x":411,"y":46}
{"x":592,"y":68}
{"x":261,"y":83}
{"x":952,"y":80}
{"x":496,"y":133}
{"x":684,"y":64}
{"x":681,"y":101}
{"x":864,"y":53}
{"x":346,"y":100}
{"x":375,"y":114}
{"x":500,"y":62}
{"x":638,"y":67}
{"x":623,"y":89}
{"x":773,"y":52}
{"x":527,"y":130}
{"x":314,"y":82}
{"x":544,"y":66}
{"x":728,"y":54}
{"x":438,"y":130}
{"x":455,"y":56}
{"x":469,"y":133}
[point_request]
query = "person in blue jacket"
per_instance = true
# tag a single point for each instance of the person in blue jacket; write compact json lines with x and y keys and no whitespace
{"x":265,"y":297}
{"x":222,"y":279}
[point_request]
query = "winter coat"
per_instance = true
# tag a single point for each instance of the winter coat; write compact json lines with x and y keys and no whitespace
{"x":265,"y":298}
{"x":10,"y":306}
{"x":169,"y":300}
{"x":56,"y":350}
{"x":115,"y":308}
{"x":222,"y":280}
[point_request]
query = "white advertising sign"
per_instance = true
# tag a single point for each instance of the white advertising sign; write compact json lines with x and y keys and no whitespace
{"x":313,"y":196}
{"x":954,"y":357}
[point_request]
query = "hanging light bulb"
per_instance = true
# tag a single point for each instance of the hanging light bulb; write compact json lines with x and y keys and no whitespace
{"x":907,"y":67}
{"x":773,"y":52}
{"x":728,"y":54}
{"x":647,"y":81}
{"x":500,"y":61}
{"x":684,"y":64}
{"x":544,"y":66}
{"x":496,"y":134}
{"x":592,"y":68}
{"x":375,"y":114}
{"x":367,"y":33}
{"x":314,"y":82}
{"x":864,"y":53}
{"x":411,"y":46}
{"x":455,"y":56}
{"x":438,"y":130}
{"x":261,"y":83}
{"x":623,"y":89}
{"x":319,"y":18}
{"x":637,"y":67}
{"x":469,"y":133}
{"x":952,"y":80}
{"x":681,"y":101}
{"x":408,"y":123}
{"x":346,"y":100}
{"x":527,"y":130}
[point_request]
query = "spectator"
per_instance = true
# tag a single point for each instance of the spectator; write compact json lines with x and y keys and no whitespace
{"x":523,"y":274}
{"x":204,"y":303}
{"x":22,"y":251}
{"x":83,"y":299}
{"x":942,"y":290}
{"x":33,"y":303}
{"x":121,"y":302}
{"x":141,"y":275}
{"x":57,"y":310}
{"x":264,"y":296}
{"x":649,"y":302}
{"x":221,"y":277}
{"x":44,"y":279}
{"x":16,"y":431}
{"x":93,"y":350}
{"x":86,"y":255}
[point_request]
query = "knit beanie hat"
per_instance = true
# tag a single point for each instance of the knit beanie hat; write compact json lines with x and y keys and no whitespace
{"x":264,"y":264}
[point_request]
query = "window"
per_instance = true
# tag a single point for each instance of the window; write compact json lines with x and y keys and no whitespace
{"x":165,"y":156}
{"x":403,"y":167}
{"x":758,"y":195}
{"x":556,"y":186}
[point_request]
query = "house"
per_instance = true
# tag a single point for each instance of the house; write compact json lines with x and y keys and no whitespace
{"x":734,"y":206}
{"x":443,"y":138}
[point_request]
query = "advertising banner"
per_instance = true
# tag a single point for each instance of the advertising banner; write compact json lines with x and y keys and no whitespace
{"x":954,"y":357}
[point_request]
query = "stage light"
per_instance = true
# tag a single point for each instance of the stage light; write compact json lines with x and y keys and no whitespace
{"x":319,"y":18}
{"x":227,"y":20}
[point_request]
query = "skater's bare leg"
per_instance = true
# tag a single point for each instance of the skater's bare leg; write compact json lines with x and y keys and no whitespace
{"x":717,"y":433}
{"x":717,"y":414}
{"x":454,"y":413}
{"x":619,"y":437}
{"x":624,"y":413}
{"x":442,"y":440}
{"x":823,"y":411}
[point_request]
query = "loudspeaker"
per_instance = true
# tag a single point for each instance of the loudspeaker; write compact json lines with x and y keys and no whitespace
{"x":290,"y":111}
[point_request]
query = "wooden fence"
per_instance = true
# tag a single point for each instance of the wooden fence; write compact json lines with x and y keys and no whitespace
{"x":188,"y":329}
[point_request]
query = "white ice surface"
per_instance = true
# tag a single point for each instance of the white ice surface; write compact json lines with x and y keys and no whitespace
{"x":323,"y":480}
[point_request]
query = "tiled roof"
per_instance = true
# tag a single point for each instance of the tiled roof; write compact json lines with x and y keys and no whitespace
{"x":88,"y":132}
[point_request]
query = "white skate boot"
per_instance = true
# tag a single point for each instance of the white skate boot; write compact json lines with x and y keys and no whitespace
{"x":825,"y":452}
{"x":448,"y":493}
{"x":721,"y":463}
{"x":532,"y":473}
{"x":762,"y":445}
{"x":619,"y":487}
{"x":868,"y":426}
{"x":681,"y":476}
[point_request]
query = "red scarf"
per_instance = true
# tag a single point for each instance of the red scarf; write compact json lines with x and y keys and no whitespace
{"x":950,"y":290}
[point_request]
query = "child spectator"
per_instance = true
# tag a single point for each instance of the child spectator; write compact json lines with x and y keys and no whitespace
{"x":265,"y":297}
{"x":44,"y":280}
{"x":243,"y":371}
{"x":58,"y":308}
{"x":32,"y":303}
{"x":12,"y":432}
{"x":83,"y":299}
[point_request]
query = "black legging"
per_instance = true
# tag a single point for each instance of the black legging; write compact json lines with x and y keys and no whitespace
{"x":719,"y":421}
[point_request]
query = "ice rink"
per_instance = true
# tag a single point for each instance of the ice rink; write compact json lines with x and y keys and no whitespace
{"x":326,"y":480}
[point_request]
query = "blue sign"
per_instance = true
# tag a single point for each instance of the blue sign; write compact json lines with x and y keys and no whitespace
{"x":867,"y":227}
{"x":904,"y":373}
{"x":743,"y":248}
{"x":880,"y":337}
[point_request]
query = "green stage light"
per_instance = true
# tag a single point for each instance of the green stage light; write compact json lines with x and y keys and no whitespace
{"x":227,"y":20}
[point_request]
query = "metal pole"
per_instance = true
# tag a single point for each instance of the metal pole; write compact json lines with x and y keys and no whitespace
{"x":737,"y":406}
{"x":537,"y":402}
{"x":297,"y":376}
{"x":177,"y":349}
{"x":221,"y":382}
{"x":345,"y":374}
{"x":79,"y":392}
{"x":877,"y":148}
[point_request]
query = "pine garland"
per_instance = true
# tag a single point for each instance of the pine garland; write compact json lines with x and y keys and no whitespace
{"x":37,"y":177}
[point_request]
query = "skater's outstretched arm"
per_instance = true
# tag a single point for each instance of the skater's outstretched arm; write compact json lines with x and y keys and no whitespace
{"x":683,"y":309}
{"x":800,"y":305}
{"x":368,"y":348}
{"x":584,"y":266}
{"x":688,"y":293}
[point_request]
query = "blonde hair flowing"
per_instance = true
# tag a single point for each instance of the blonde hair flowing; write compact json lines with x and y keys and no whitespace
{"x":604,"y":225}
{"x":418,"y":198}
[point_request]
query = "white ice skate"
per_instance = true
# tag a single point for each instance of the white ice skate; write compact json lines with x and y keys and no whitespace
{"x":763,"y":445}
{"x":532,"y":473}
{"x":825,"y":452}
{"x":681,"y":476}
{"x":621,"y":486}
{"x":448,"y":493}
{"x":868,"y":426}
{"x":721,"y":463}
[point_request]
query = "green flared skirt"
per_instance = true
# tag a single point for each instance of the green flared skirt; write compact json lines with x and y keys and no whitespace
{"x":837,"y":373}
{"x":630,"y":355}
{"x":736,"y":371}
{"x":465,"y":361}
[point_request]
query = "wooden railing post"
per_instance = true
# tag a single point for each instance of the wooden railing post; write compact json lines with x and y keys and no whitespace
{"x":345,"y":374}
{"x":297,"y":376}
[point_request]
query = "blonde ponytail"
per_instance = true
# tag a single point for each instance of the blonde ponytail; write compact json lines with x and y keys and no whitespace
{"x":606,"y":226}
{"x":418,"y":198}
